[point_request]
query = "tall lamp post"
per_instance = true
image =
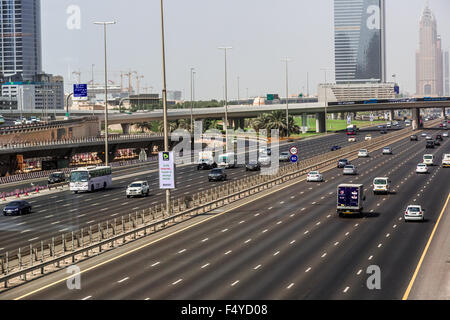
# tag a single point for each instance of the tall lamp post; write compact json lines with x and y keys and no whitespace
{"x":286,"y":60}
{"x":326,"y":99}
{"x":192,"y":99}
{"x":164,"y":100}
{"x":226,"y":95}
{"x":106,"y":89}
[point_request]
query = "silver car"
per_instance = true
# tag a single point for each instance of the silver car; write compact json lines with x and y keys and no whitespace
{"x":284,"y":156}
{"x":349,"y":169}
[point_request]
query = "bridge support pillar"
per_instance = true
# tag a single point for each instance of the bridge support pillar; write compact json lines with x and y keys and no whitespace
{"x":320,"y":122}
{"x":304,"y":120}
{"x":391,"y":115}
{"x":443,"y":113}
{"x":125,"y":128}
{"x":342,"y":116}
{"x":415,"y":115}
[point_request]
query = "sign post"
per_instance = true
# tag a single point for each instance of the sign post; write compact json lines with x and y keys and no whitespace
{"x":166,"y":170}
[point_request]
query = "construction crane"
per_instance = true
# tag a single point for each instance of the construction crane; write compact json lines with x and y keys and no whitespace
{"x":128,"y":74}
{"x":78,"y":73}
{"x":138,"y":78}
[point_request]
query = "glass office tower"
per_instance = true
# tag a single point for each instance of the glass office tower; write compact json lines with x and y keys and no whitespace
{"x":20,"y":38}
{"x":359,"y":41}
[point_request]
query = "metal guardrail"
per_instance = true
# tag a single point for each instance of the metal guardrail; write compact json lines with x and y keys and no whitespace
{"x":48,"y":255}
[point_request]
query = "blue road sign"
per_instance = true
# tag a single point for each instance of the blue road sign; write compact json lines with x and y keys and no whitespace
{"x":80,"y":90}
{"x":293,"y":158}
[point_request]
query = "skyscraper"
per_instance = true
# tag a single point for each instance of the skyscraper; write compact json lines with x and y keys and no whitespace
{"x":359,"y":41}
{"x":446,"y":75}
{"x":429,"y":69}
{"x":20,"y":38}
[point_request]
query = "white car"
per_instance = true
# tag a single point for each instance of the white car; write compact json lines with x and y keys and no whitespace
{"x":387,"y":150}
{"x":381,"y":185}
{"x":315,"y":176}
{"x":368,"y":137}
{"x":264,"y":159}
{"x":138,"y":188}
{"x":428,"y":159}
{"x":445,"y":134}
{"x":423,"y":134}
{"x":349,"y":169}
{"x":422,"y":168}
{"x":414,"y":212}
{"x":17,"y":122}
{"x":351,"y":139}
{"x":284,"y":156}
{"x":428,"y":138}
{"x":363,"y":153}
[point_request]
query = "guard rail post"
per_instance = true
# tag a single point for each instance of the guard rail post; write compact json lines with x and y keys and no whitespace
{"x":73,"y":249}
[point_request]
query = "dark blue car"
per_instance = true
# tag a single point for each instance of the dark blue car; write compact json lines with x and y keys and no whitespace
{"x":17,"y":207}
{"x":334,"y":148}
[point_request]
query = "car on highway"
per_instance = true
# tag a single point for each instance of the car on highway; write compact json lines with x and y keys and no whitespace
{"x":383,"y":131}
{"x":206,"y":163}
{"x":56,"y":177}
{"x":387,"y":150}
{"x":446,"y":160}
{"x":414,"y":137}
{"x":381,"y":185}
{"x":422,"y":168}
{"x":138,"y":188}
{"x":253,"y":166}
{"x":284,"y":156}
{"x":439,"y":137}
{"x":430,"y":144}
{"x":314,"y":176}
{"x":414,"y":212}
{"x":396,"y":123}
{"x":407,"y":123}
{"x":362,"y":153}
{"x":334,"y":148}
{"x":265,"y":150}
{"x":445,"y":134}
{"x":342,"y":163}
{"x":368,"y":137}
{"x":437,"y":143}
{"x":217,"y":174}
{"x":349,"y":169}
{"x":428,"y":159}
{"x":17,"y":122}
{"x":351,"y":139}
{"x":428,"y":137}
{"x":423,"y":134}
{"x":264,"y":159}
{"x":17,"y":207}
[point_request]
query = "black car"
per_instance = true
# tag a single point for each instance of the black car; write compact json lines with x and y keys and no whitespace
{"x":384,"y":131}
{"x":203,"y":165}
{"x":414,"y":137}
{"x":439,"y":137}
{"x":56,"y":177}
{"x":334,"y":148}
{"x":253,"y":166}
{"x":217,"y":174}
{"x":430,"y":144}
{"x":437,"y":143}
{"x":342,"y":163}
{"x":17,"y":207}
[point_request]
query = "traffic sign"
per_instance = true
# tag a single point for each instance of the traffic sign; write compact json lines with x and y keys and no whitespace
{"x":80,"y":90}
{"x":293,"y":150}
{"x":166,"y":170}
{"x":293,"y":158}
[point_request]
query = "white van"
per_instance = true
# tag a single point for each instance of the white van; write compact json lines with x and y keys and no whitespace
{"x":381,"y":185}
{"x":227,"y":160}
{"x":428,"y":159}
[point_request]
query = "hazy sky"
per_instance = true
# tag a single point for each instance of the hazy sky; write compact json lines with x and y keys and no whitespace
{"x":261,"y":33}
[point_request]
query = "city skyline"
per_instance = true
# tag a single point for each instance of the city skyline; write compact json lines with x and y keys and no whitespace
{"x":257,"y":57}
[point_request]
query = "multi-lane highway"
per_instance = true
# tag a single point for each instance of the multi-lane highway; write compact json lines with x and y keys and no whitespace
{"x":62,"y":211}
{"x":287,"y":245}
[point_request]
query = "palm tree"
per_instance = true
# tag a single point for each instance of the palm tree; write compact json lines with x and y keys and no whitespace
{"x":184,"y":124}
{"x":260,"y":122}
{"x":172,"y":125}
{"x":143,"y":126}
{"x":277,"y":120}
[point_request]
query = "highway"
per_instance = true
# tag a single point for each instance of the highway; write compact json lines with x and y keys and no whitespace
{"x":62,"y":211}
{"x":289,"y":245}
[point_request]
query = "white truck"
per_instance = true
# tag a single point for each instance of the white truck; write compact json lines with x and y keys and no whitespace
{"x":206,"y":160}
{"x":227,"y":160}
{"x":446,"y":160}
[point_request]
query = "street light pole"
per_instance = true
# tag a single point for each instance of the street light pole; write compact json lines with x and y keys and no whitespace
{"x":192,"y":100}
{"x":226,"y":96}
{"x":286,"y":60}
{"x":326,"y":99}
{"x":164,"y":100}
{"x":106,"y":89}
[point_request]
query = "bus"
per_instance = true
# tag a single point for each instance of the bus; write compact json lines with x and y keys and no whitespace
{"x":90,"y":178}
{"x":351,"y":130}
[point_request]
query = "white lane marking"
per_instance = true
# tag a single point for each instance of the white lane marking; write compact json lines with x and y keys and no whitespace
{"x":346,"y":289}
{"x":336,"y":243}
{"x":248,"y":240}
{"x":292,"y":215}
{"x":206,"y":239}
{"x":81,"y":215}
{"x":265,"y":230}
{"x":229,"y":251}
{"x":240,"y":222}
{"x":85,"y":298}
{"x":114,"y":214}
{"x":359,"y":272}
{"x":125,"y":203}
{"x":205,"y":265}
{"x":324,"y":255}
{"x":269,"y":208}
{"x":135,"y":208}
{"x":290,"y":286}
{"x":90,"y":221}
{"x":104,"y":209}
{"x":62,"y":230}
{"x":317,"y":223}
{"x":379,"y":245}
{"x":155,"y":264}
{"x":279,"y":222}
{"x":181,"y":251}
{"x":303,"y":209}
{"x":235,"y":283}
{"x":224,"y":230}
{"x":387,"y":235}
{"x":347,"y":233}
{"x":55,"y":222}
{"x":370,"y":258}
{"x":256,"y":214}
{"x":72,"y":210}
{"x":31,"y":240}
{"x":307,"y":270}
{"x":49,"y":216}
{"x":328,"y":215}
{"x":281,"y":202}
{"x":306,"y":232}
{"x":257,"y":267}
{"x":124,"y":279}
{"x":292,"y":242}
{"x":179,"y":280}
{"x":276,"y":253}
